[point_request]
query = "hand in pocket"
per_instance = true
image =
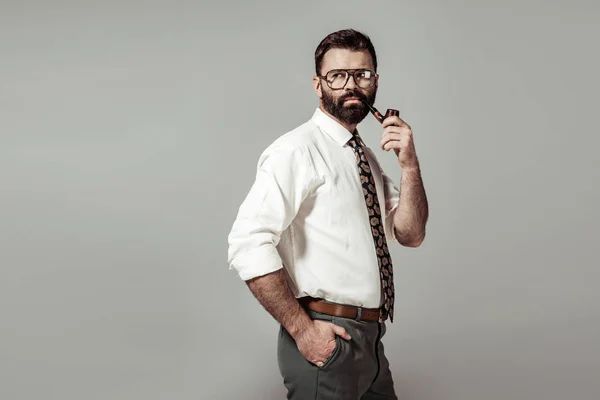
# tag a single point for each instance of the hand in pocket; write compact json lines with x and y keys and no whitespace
{"x":318,"y":342}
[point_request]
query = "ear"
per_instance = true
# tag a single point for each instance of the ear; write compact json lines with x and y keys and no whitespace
{"x":376,"y":82}
{"x":317,"y":86}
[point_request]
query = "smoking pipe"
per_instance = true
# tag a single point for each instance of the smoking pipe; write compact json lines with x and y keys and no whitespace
{"x":377,"y":114}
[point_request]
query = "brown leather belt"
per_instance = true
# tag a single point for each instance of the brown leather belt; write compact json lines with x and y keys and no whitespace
{"x":341,"y":310}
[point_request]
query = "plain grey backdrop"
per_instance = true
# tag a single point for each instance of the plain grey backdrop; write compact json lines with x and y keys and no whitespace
{"x":130,"y":133}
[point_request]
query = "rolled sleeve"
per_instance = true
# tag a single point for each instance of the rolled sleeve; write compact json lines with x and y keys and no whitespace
{"x":283,"y":180}
{"x":256,"y":262}
{"x":392,"y":196}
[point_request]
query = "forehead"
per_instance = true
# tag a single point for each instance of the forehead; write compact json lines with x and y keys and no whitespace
{"x":347,"y":59}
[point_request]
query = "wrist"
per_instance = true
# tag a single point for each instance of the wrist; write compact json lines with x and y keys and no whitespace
{"x":299,"y":325}
{"x":412,"y":169}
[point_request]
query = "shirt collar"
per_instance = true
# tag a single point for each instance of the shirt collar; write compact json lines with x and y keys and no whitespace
{"x":330,"y":126}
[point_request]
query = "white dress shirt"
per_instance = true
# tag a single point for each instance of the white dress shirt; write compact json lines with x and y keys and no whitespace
{"x":306,"y":213}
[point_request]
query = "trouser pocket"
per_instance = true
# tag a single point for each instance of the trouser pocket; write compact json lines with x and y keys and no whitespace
{"x":335,"y":354}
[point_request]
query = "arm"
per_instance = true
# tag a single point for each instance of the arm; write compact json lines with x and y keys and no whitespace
{"x":412,"y":212}
{"x":315,"y":339}
{"x":274,"y":294}
{"x":284,"y":179}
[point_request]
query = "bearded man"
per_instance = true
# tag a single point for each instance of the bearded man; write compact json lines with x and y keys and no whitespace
{"x":311,"y":237}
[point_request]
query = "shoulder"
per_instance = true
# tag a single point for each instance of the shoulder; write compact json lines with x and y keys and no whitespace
{"x":292,"y":146}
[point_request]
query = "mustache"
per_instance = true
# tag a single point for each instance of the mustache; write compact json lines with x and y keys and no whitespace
{"x":352,"y":94}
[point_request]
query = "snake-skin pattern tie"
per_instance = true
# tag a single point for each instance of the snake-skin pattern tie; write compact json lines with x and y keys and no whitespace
{"x":383,"y":255}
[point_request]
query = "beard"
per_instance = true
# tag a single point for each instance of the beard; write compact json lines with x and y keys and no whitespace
{"x":350,"y":114}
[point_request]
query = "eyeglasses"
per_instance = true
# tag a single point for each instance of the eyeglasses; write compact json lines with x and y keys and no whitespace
{"x":338,"y":78}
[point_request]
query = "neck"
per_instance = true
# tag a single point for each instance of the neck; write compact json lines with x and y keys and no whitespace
{"x":350,"y":127}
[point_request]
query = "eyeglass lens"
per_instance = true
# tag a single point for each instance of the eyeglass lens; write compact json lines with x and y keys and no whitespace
{"x":363,"y":78}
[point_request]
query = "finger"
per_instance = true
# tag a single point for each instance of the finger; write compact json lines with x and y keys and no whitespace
{"x":340,"y":331}
{"x":392,"y":136}
{"x":394,"y":129}
{"x":395,"y":144}
{"x":397,"y":129}
{"x":403,"y":135}
{"x":394,"y":120}
{"x":406,"y":137}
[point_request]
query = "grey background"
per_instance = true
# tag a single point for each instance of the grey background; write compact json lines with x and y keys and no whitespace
{"x":130,"y":133}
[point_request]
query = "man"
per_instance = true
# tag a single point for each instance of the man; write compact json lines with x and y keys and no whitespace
{"x":310,"y":239}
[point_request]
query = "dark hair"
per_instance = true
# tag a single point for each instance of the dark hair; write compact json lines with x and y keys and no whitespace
{"x":349,"y":39}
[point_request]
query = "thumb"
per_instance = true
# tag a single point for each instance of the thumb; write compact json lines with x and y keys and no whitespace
{"x":340,"y":331}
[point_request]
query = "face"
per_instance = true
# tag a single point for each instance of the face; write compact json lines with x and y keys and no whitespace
{"x":342,"y":103}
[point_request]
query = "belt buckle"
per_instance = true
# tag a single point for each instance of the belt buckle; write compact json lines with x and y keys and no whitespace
{"x":358,"y":313}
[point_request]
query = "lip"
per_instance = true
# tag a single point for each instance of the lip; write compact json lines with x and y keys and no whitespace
{"x":352,"y":99}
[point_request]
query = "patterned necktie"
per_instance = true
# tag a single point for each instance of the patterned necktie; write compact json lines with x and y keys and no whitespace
{"x":383,"y":255}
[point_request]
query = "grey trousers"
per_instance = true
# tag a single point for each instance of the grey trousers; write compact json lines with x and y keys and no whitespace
{"x":356,"y":370}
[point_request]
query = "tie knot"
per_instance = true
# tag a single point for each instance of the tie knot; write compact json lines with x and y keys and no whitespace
{"x":355,"y":142}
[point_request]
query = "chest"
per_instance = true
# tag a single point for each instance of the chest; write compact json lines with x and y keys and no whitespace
{"x":341,"y":190}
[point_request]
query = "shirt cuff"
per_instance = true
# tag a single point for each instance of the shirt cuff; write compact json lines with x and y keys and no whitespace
{"x":389,"y":225}
{"x":260,"y":261}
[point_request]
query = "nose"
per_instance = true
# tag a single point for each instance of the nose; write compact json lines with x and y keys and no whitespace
{"x":350,"y":84}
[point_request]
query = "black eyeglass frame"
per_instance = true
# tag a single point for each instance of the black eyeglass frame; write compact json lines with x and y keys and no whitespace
{"x":350,"y":73}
